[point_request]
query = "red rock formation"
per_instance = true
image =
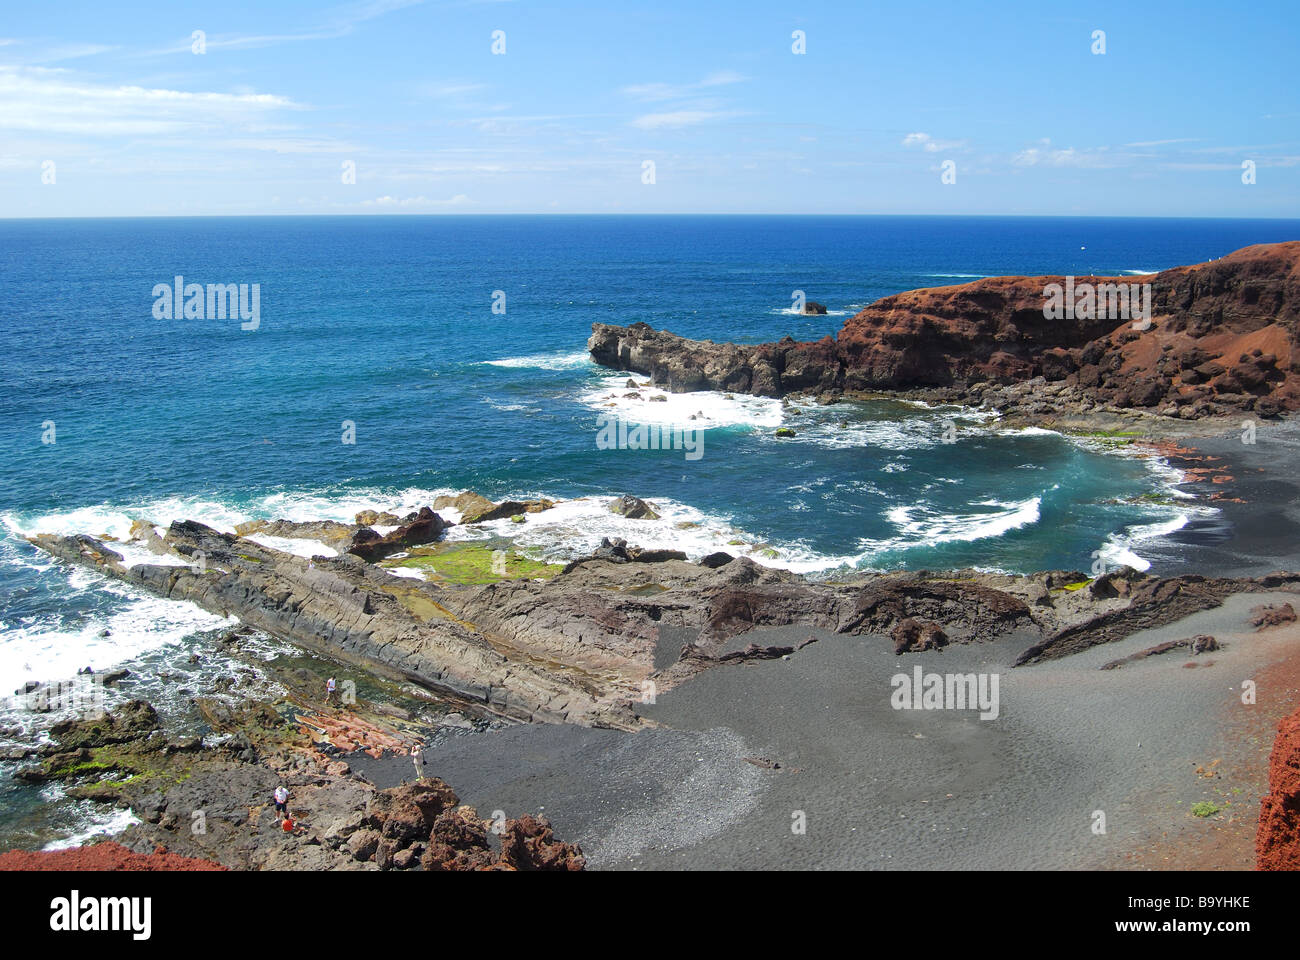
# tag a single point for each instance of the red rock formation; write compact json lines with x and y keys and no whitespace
{"x":1272,"y":615}
{"x":1221,"y":336}
{"x":102,"y":856}
{"x":420,"y":824}
{"x":1221,"y":331}
{"x":1277,"y":840}
{"x":528,"y":844}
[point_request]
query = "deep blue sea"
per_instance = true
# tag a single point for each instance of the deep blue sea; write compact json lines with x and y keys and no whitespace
{"x":388,"y":323}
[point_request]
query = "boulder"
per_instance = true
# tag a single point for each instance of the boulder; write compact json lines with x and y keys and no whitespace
{"x":529,"y":844}
{"x":633,"y":508}
{"x":421,"y":527}
{"x":913,"y":636}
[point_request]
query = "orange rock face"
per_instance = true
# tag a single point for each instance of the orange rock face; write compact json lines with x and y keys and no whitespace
{"x":1223,"y":331}
{"x":1277,"y":841}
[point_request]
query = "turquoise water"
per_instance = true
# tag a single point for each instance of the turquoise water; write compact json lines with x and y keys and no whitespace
{"x":388,"y":323}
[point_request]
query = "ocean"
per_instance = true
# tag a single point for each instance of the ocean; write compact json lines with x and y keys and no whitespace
{"x":383,"y":330}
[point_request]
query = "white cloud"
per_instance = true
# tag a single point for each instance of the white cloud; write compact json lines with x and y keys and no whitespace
{"x":929,"y":144}
{"x":678,"y":91}
{"x":452,"y":90}
{"x":341,"y":24}
{"x":1161,"y":143}
{"x":679,"y":118}
{"x":458,"y":200}
{"x":52,"y":101}
{"x":1097,"y":158}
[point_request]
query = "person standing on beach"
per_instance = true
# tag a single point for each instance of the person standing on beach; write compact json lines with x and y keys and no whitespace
{"x":329,"y":690}
{"x":417,"y":758}
{"x":281,"y":796}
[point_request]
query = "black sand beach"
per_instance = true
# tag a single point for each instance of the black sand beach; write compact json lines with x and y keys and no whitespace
{"x":887,"y":789}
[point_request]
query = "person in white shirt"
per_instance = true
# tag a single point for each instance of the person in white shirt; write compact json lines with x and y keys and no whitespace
{"x":329,"y":690}
{"x":417,"y":757}
{"x":281,"y":796}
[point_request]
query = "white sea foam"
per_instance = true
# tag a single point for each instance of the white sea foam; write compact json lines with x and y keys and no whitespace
{"x":1118,"y":549}
{"x":411,"y":573}
{"x":546,"y":361}
{"x":298,"y":546}
{"x":792,"y":312}
{"x":709,"y":408}
{"x":134,"y":552}
{"x":919,"y":524}
{"x":299,"y":506}
{"x":1139,"y":273}
{"x":97,"y":822}
{"x":1028,"y":432}
{"x":49,"y":649}
{"x":508,"y":407}
{"x":912,"y":433}
{"x":575,"y":528}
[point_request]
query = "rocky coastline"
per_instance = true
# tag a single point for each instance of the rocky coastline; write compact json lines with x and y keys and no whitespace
{"x":501,"y":640}
{"x":580,"y":645}
{"x":1220,"y":344}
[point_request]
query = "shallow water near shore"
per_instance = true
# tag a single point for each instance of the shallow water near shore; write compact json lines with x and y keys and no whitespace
{"x":387,"y":324}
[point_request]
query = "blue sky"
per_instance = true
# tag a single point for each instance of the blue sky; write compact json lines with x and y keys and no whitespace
{"x":111,"y":102}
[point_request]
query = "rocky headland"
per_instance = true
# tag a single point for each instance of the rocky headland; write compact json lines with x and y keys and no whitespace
{"x":1219,"y":342}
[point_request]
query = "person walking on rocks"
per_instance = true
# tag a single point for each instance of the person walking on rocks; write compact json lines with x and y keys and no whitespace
{"x":417,"y":758}
{"x":329,"y":690}
{"x":281,"y":796}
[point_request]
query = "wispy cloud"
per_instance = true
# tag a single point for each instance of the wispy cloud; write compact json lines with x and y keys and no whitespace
{"x":343,"y":21}
{"x":1162,"y":143}
{"x":390,"y":202}
{"x":685,"y":104}
{"x":929,"y":144}
{"x":452,"y":89}
{"x":680,"y":118}
{"x":678,"y":91}
{"x":52,"y":101}
{"x":1045,"y":155}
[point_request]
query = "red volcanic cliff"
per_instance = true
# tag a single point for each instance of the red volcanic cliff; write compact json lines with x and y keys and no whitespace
{"x":1220,"y":337}
{"x":1277,"y":840}
{"x":1221,"y":331}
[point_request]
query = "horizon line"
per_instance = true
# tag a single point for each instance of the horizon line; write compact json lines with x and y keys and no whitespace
{"x":463,"y":215}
